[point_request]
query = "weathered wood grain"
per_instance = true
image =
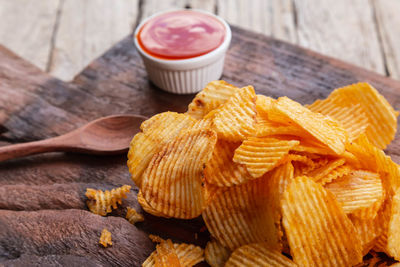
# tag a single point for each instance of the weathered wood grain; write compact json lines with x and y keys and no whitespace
{"x":271,"y":17}
{"x":35,"y":189}
{"x":341,"y":29}
{"x":388,"y":23}
{"x":86,"y":29}
{"x":26,"y":27}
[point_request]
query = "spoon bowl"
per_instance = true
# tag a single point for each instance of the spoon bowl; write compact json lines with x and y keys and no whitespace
{"x":105,"y":136}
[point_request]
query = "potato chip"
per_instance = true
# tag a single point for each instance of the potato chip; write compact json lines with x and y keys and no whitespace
{"x":320,"y":175}
{"x":133,"y":216}
{"x":101,"y":203}
{"x":318,"y":231}
{"x":280,"y":178}
{"x":393,"y":241}
{"x":187,"y":255}
{"x":235,"y":120}
{"x":312,"y":146}
{"x":156,"y":131}
{"x":211,"y":97}
{"x":241,"y":214}
{"x":147,"y":208}
{"x":258,"y":254}
{"x":221,"y":170}
{"x":323,"y":128}
{"x":261,"y":155}
{"x":166,"y":255}
{"x":105,"y":238}
{"x":374,"y":159}
{"x":367,"y":232}
{"x":263,"y":106}
{"x":352,"y":118}
{"x":215,"y":254}
{"x":172,"y":184}
{"x":381,"y":116}
{"x":381,"y":224}
{"x":358,"y":191}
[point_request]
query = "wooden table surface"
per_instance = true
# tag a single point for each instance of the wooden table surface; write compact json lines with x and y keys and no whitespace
{"x":63,"y":36}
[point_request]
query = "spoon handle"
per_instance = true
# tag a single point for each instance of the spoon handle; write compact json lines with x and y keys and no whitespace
{"x":26,"y":149}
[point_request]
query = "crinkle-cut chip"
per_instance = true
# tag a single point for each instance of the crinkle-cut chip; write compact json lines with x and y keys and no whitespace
{"x":164,"y":256}
{"x":325,"y":129}
{"x":221,"y":170}
{"x":211,"y":97}
{"x":133,"y":216}
{"x":268,"y":129}
{"x":258,"y":254}
{"x":381,"y":222}
{"x":393,"y":241}
{"x":313,"y":147}
{"x":216,"y":254}
{"x":279,"y":180}
{"x":261,"y":155}
{"x":352,"y":118}
{"x":187,"y":254}
{"x":335,"y":174}
{"x":367,"y":232}
{"x":357,"y":191}
{"x":147,"y":208}
{"x":235,"y":120}
{"x":263,"y":107}
{"x":242,"y":214}
{"x":319,"y":174}
{"x":172,"y":183}
{"x":101,"y":203}
{"x":105,"y":238}
{"x":381,"y":116}
{"x":299,"y":158}
{"x":156,"y":131}
{"x":374,"y":159}
{"x":318,"y":231}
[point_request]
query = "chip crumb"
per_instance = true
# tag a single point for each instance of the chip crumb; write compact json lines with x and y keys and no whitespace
{"x":105,"y":238}
{"x":156,"y":239}
{"x":134,"y":217}
{"x":101,"y":203}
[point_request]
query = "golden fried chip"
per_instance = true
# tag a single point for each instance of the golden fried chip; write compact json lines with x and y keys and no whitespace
{"x":313,"y":147}
{"x":147,"y":208}
{"x":172,"y":184}
{"x":321,"y":174}
{"x":393,"y":235}
{"x":318,"y":231}
{"x":187,"y":254}
{"x":381,"y":116}
{"x":258,"y":254}
{"x":156,"y":131}
{"x":211,"y":97}
{"x":166,"y":255}
{"x":263,"y":106}
{"x":215,"y":254}
{"x":235,"y":119}
{"x":358,"y":191}
{"x":374,"y":159}
{"x":133,"y":217}
{"x":101,"y":203}
{"x":261,"y":155}
{"x":241,"y":214}
{"x":221,"y":170}
{"x":352,"y":118}
{"x":105,"y":238}
{"x":367,"y":231}
{"x":323,"y":128}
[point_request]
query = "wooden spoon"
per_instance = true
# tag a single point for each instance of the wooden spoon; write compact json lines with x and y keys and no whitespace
{"x":104,"y":136}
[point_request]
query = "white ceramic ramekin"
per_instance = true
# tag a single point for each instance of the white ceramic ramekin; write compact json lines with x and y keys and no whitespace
{"x":185,"y":76}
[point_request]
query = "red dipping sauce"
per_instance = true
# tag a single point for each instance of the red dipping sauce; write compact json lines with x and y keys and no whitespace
{"x":181,"y":34}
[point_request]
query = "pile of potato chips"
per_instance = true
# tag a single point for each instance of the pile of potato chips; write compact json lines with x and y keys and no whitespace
{"x":277,"y":183}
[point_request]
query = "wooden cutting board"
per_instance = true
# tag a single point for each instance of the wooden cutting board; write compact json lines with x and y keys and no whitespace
{"x":43,"y":216}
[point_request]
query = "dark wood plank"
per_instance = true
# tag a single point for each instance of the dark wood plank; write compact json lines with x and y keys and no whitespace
{"x":34,"y":105}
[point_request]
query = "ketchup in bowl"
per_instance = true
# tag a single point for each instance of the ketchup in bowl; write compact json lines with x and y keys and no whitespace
{"x":181,"y":34}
